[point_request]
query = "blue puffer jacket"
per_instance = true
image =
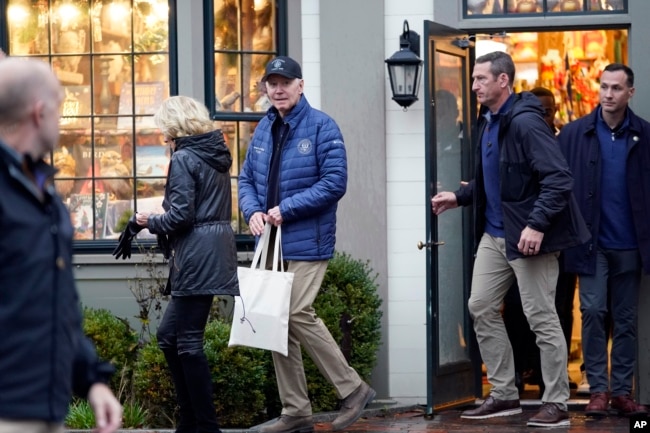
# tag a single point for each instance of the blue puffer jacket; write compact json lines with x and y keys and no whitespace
{"x":313,"y":178}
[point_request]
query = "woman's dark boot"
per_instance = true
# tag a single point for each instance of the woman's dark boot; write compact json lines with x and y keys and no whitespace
{"x":186,"y":421}
{"x":199,"y":384}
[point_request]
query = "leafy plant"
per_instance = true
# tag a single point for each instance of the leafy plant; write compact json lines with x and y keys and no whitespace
{"x":147,"y":287}
{"x":135,"y":415}
{"x":152,"y":384}
{"x":80,"y":415}
{"x":238,"y":376}
{"x":114,"y":340}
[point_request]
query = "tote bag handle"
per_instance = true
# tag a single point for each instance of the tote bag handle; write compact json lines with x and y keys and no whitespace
{"x":261,"y":251}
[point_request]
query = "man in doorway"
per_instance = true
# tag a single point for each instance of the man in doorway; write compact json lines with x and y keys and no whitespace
{"x":523,"y":340}
{"x":608,"y":152}
{"x":524,"y":215}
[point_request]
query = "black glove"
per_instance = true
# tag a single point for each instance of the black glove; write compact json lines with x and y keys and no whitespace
{"x":123,"y":248}
{"x":163,"y":244}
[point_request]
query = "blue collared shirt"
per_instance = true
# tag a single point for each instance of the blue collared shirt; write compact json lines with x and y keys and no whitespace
{"x":491,"y":181}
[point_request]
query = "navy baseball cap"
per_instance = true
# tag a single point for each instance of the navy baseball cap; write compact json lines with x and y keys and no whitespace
{"x":283,"y":65}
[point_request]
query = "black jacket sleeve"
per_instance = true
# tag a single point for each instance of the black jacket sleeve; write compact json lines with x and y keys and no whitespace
{"x":88,"y":369}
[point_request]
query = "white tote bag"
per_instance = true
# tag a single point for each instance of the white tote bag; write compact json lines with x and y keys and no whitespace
{"x":261,"y":315}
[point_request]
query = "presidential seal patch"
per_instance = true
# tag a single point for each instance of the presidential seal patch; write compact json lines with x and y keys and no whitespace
{"x":304,"y":146}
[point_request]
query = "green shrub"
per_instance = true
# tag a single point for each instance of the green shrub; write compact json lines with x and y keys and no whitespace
{"x":152,"y":384}
{"x":238,"y":376}
{"x":115,"y":342}
{"x":349,"y":306}
{"x":244,"y":379}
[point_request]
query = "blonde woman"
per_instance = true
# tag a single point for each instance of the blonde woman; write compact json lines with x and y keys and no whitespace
{"x":202,"y":252}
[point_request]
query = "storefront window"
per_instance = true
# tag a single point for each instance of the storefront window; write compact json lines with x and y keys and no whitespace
{"x":246,"y":37}
{"x":244,"y":41}
{"x":112,"y":58}
{"x":518,"y":7}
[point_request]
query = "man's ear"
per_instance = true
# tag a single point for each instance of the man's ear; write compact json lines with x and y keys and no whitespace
{"x":38,"y":112}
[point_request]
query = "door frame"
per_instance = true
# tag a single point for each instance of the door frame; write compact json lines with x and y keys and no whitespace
{"x":459,"y":383}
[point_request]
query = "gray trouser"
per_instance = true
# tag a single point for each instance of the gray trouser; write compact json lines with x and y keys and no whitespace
{"x":537,"y":277}
{"x":309,"y":331}
{"x":12,"y":426}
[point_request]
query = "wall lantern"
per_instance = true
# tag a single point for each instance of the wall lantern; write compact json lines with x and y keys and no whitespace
{"x":405,"y":68}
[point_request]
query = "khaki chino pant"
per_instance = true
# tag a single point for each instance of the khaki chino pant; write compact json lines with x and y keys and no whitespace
{"x":309,"y":331}
{"x":11,"y":426}
{"x":537,"y":276}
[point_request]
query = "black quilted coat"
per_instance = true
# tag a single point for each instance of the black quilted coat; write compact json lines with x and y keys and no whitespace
{"x":198,"y":209}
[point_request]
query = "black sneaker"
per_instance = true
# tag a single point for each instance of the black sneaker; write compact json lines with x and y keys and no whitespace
{"x":493,"y":407}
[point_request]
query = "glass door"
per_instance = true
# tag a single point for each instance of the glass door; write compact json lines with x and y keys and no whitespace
{"x":451,"y":372}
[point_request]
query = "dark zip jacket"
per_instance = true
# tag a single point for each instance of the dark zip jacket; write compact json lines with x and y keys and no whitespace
{"x":44,"y":355}
{"x":197,"y":218}
{"x":535,"y":181}
{"x":579,"y":143}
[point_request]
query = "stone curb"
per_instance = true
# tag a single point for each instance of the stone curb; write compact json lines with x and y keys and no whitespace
{"x":376,"y":408}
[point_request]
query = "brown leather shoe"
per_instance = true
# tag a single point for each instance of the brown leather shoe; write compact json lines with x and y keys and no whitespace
{"x":290,"y":424}
{"x":626,"y":406}
{"x":550,"y":415}
{"x":597,"y":406}
{"x":493,"y":407}
{"x":352,"y":406}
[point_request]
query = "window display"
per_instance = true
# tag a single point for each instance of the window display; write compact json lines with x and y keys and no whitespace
{"x":244,"y":41}
{"x":501,"y":7}
{"x":112,"y":58}
{"x":567,"y":63}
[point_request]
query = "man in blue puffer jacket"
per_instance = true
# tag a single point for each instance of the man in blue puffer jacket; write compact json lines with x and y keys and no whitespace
{"x":294,"y":174}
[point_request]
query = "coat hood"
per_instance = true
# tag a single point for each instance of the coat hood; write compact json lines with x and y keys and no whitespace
{"x":210,"y":147}
{"x":524,"y":102}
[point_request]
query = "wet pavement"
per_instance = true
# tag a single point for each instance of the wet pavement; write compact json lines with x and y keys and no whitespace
{"x":397,"y":418}
{"x":415,"y":420}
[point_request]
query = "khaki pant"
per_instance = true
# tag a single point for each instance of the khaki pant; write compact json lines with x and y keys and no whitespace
{"x":10,"y":426}
{"x":309,"y":331}
{"x":537,"y":277}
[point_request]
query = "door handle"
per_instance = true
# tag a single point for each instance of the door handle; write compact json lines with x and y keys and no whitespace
{"x":429,"y":244}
